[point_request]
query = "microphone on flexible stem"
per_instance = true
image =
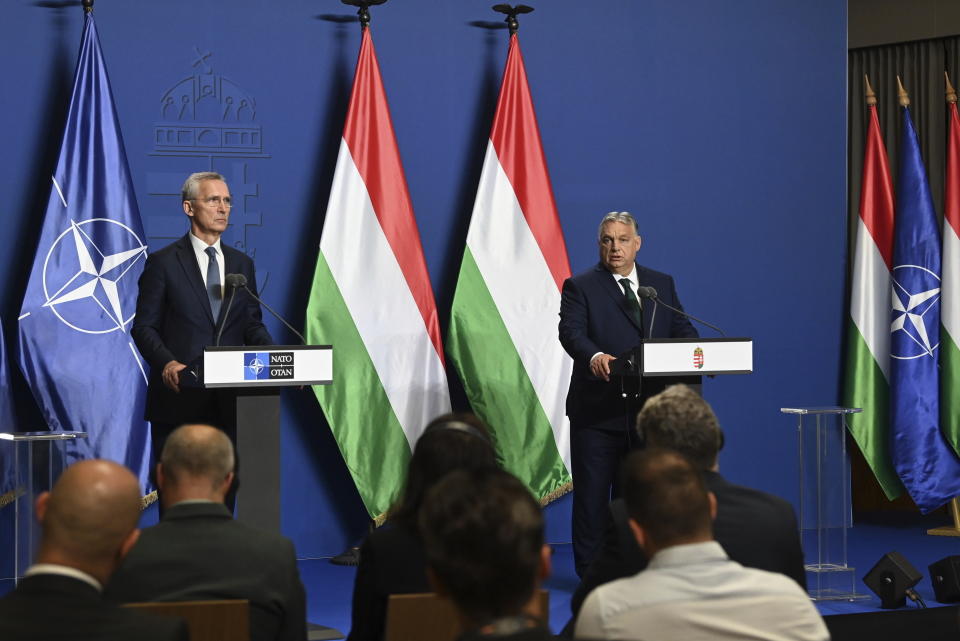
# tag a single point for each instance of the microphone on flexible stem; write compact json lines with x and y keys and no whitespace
{"x":241,"y":282}
{"x":650,"y":292}
{"x":232,"y":281}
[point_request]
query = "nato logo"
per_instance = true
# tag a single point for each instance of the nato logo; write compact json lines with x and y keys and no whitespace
{"x":265,"y":366}
{"x":255,"y":366}
{"x":90,"y":275}
{"x":915,"y":329}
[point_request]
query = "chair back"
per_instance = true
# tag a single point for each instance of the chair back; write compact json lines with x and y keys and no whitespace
{"x":227,"y":620}
{"x":429,"y":617}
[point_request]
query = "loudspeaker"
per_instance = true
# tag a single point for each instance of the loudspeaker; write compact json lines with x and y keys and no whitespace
{"x":890,"y":579}
{"x":945,"y":576}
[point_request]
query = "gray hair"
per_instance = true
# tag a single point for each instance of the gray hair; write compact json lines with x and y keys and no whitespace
{"x":198,"y":451}
{"x":192,"y":183}
{"x":618,"y":217}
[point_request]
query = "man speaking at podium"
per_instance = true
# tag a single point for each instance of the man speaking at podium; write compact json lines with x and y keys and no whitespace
{"x":181,"y":308}
{"x":602,"y":317}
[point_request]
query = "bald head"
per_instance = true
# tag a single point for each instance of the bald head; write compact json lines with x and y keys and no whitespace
{"x":197,"y":463}
{"x":89,"y":516}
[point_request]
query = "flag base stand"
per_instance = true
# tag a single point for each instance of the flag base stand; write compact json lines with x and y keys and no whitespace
{"x":949,"y":530}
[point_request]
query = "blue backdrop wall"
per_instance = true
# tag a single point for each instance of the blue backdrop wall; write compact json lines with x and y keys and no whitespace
{"x":720,"y":125}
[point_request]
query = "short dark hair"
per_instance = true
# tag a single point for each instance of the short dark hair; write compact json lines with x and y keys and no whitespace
{"x":449,"y":442}
{"x":483,"y":534}
{"x":665,"y":494}
{"x":679,"y":419}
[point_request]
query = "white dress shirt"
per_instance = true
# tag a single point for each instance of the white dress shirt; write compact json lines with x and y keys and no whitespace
{"x":203,"y":260}
{"x":695,"y":592}
{"x":62,"y":570}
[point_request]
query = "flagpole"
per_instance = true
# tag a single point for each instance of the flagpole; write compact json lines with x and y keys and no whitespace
{"x":88,"y":6}
{"x":946,"y":530}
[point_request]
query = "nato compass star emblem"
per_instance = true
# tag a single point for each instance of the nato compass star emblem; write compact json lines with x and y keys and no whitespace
{"x":916,"y":302}
{"x":79,"y":270}
{"x":256,"y":366}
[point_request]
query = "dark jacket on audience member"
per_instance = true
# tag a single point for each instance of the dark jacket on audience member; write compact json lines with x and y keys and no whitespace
{"x":392,"y":561}
{"x":756,"y":529}
{"x":46,"y":607}
{"x":198,"y":552}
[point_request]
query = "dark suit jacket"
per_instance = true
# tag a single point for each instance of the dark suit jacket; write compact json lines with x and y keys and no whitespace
{"x":594,"y":318}
{"x":174,"y":322}
{"x":756,"y":529}
{"x":198,"y":551}
{"x":392,"y":561}
{"x":45,"y":607}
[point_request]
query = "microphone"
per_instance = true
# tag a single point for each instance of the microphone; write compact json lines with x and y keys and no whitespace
{"x":239,"y":281}
{"x":232,"y":281}
{"x":650,"y":292}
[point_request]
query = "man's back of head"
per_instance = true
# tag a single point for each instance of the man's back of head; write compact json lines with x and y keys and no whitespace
{"x":89,"y":518}
{"x":666,"y":499}
{"x":197,"y":463}
{"x":483,"y":536}
{"x":680,"y":419}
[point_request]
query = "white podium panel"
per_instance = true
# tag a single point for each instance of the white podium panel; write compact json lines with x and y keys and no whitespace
{"x":686,"y":356}
{"x":267,"y":366}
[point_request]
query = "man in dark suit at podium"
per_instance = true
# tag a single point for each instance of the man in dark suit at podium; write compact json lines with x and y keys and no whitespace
{"x":181,"y":308}
{"x":601,"y":317}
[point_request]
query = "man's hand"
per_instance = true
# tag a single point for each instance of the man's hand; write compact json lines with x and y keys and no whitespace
{"x":171,"y":375}
{"x":600,"y":366}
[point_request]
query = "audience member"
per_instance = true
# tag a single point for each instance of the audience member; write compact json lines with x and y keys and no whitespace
{"x":392,"y":559}
{"x":483,"y":536}
{"x":754,"y":528}
{"x":199,"y":552}
{"x":690,"y":590}
{"x":89,"y":523}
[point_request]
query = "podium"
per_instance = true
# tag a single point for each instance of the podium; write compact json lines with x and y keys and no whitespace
{"x":257,"y":373}
{"x":38,"y":460}
{"x":686,"y":357}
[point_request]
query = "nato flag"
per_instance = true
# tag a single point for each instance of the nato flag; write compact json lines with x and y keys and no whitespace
{"x":75,"y":346}
{"x":927,"y":465}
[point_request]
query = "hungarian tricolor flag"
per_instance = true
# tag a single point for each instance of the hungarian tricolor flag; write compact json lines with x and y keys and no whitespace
{"x":867,"y":381}
{"x":372,"y":300}
{"x":503,"y":327}
{"x":950,"y":289}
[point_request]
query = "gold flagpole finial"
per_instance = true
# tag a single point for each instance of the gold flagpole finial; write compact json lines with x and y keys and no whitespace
{"x":902,"y":94}
{"x":951,"y":92}
{"x":868,"y":92}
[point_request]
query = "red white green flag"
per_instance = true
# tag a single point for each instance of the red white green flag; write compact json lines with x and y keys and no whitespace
{"x":503,"y":327}
{"x":372,"y":300}
{"x":867,"y":381}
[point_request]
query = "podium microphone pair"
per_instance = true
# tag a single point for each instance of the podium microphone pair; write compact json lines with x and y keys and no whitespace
{"x":651,"y":293}
{"x":234,"y":282}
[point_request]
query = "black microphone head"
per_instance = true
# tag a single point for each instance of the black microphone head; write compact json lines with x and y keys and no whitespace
{"x":646,"y":292}
{"x":235,"y":281}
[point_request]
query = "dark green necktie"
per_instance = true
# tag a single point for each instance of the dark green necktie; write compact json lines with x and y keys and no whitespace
{"x":633,"y":305}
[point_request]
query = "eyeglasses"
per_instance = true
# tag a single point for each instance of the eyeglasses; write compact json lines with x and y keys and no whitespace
{"x":215,"y":201}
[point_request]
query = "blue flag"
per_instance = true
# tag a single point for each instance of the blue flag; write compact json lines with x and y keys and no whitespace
{"x":75,"y":345}
{"x":927,"y":465}
{"x":7,"y":424}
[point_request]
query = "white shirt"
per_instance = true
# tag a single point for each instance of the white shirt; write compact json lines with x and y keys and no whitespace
{"x":695,"y":592}
{"x":203,"y":260}
{"x":634,"y":284}
{"x":62,"y":570}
